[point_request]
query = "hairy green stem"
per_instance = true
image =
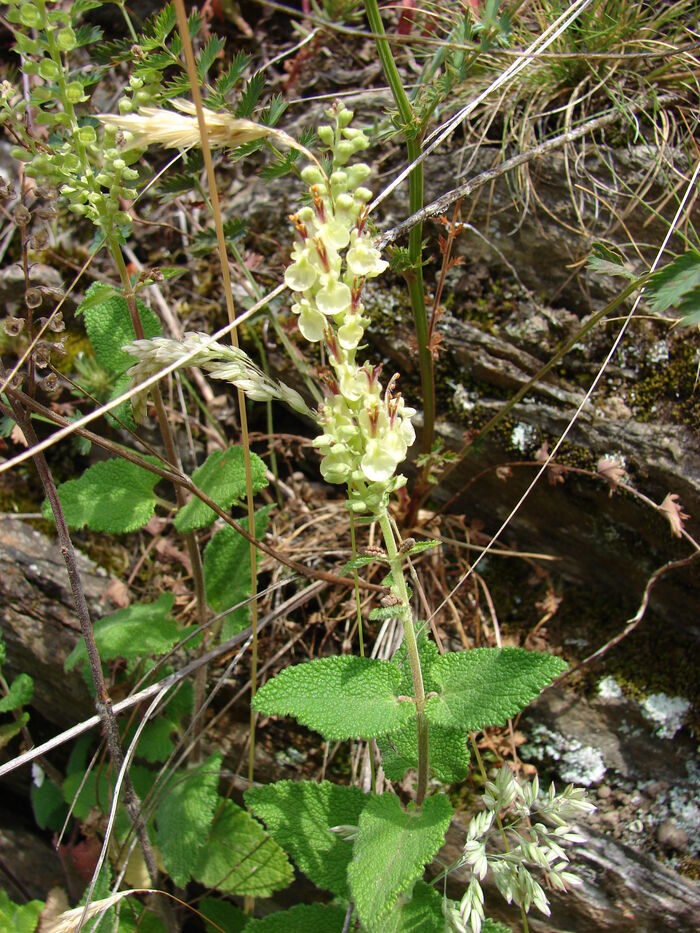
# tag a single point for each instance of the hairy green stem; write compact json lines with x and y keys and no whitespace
{"x":399,"y":589}
{"x":413,"y":137}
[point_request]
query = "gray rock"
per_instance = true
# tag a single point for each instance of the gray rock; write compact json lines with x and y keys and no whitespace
{"x":670,"y":835}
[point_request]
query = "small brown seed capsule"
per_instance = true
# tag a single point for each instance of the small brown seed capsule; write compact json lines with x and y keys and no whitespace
{"x":21,"y":215}
{"x":13,"y":326}
{"x":33,"y":298}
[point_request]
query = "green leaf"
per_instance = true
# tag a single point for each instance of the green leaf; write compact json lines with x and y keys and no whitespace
{"x":109,"y":327}
{"x":113,"y":495}
{"x":48,"y":805}
{"x":304,"y":918}
{"x":299,"y":816}
{"x":155,"y":742}
{"x":361,"y":561}
{"x":447,"y":746}
{"x":340,"y":697}
{"x":10,"y":729}
{"x":487,"y":686}
{"x":493,"y":926}
{"x":139,"y":630}
{"x":422,"y":914}
{"x":677,"y":285}
{"x":387,"y":612}
{"x":16,"y":918}
{"x":391,"y":849}
{"x":226,"y":915}
{"x":184,"y":816}
{"x":251,"y":93}
{"x":20,"y":693}
{"x":208,"y":55}
{"x":421,"y":546}
{"x":227,"y":572}
{"x":240,"y":858}
{"x":447,"y":752}
{"x":606,"y":261}
{"x":230,"y":77}
{"x":222,"y":478}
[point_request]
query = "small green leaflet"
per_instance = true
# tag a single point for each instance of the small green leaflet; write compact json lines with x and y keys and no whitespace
{"x":487,"y":686}
{"x":139,"y":630}
{"x":113,"y":495}
{"x":606,"y":261}
{"x":422,"y":914}
{"x":184,"y":816}
{"x":227,"y":572}
{"x":421,"y":546}
{"x":493,"y":926}
{"x":10,"y":729}
{"x":222,"y":478}
{"x":304,"y":918}
{"x":19,"y":694}
{"x":225,"y":915}
{"x":677,"y":286}
{"x":341,"y":697}
{"x":361,"y":561}
{"x":49,"y":807}
{"x":239,"y":858}
{"x":299,"y":816}
{"x":15,"y":918}
{"x":391,"y":849}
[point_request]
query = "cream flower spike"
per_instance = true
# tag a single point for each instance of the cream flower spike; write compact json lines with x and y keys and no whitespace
{"x":154,"y":126}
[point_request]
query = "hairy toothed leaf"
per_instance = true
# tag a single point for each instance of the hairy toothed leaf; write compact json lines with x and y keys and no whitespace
{"x":19,"y":918}
{"x":113,"y":496}
{"x":487,"y":686}
{"x":304,"y":918}
{"x":19,"y":694}
{"x":421,"y":546}
{"x":208,"y":55}
{"x":677,"y":285}
{"x":184,"y":815}
{"x":361,"y":561}
{"x":109,"y":327}
{"x":227,"y":572}
{"x":447,"y":752}
{"x":139,"y":630}
{"x":341,"y":697}
{"x":251,"y":93}
{"x":299,"y":816}
{"x":240,"y":858}
{"x":225,"y":915}
{"x":222,"y":478}
{"x":391,"y":849}
{"x":421,"y":914}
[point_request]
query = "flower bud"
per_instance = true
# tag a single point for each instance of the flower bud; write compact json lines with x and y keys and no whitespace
{"x":325,"y":134}
{"x":66,"y":39}
{"x":48,"y":69}
{"x":30,"y":16}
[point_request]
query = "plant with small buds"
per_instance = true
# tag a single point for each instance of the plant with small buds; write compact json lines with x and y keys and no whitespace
{"x":418,"y":707}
